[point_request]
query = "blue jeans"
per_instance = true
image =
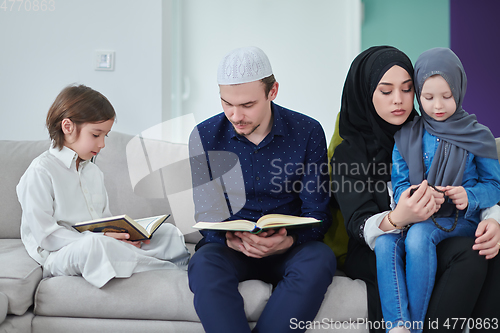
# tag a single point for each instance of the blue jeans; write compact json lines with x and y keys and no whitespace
{"x":405,"y":291}
{"x":300,"y":276}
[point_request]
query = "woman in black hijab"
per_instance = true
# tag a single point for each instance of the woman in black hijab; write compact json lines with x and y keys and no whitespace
{"x":361,"y":167}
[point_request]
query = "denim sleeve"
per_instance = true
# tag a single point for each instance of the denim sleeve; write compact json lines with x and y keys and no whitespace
{"x":486,"y":191}
{"x":400,"y":175}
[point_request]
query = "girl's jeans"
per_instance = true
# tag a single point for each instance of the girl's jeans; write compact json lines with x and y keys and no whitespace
{"x":405,"y":293}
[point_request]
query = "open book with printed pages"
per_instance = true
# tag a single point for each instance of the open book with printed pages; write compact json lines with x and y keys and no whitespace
{"x":140,"y":229}
{"x":269,"y":221}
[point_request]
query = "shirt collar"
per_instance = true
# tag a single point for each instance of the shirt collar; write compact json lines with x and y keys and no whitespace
{"x":67,"y":156}
{"x":276,"y":129}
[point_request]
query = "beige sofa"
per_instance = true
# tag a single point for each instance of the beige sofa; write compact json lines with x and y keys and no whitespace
{"x":143,"y":178}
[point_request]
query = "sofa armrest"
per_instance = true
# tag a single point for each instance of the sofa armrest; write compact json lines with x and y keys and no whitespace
{"x":19,"y":276}
{"x":4,"y":303}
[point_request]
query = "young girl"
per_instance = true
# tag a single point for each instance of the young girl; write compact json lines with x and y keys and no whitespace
{"x":447,"y":151}
{"x":62,"y":187}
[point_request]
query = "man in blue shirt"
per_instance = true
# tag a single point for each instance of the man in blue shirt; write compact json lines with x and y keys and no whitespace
{"x":258,"y":158}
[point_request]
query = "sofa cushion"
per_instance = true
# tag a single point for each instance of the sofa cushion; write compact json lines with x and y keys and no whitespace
{"x":19,"y":275}
{"x":15,"y":158}
{"x":154,"y":295}
{"x":345,"y":301}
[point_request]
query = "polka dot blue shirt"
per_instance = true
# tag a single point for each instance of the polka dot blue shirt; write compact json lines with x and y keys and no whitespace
{"x":286,"y":173}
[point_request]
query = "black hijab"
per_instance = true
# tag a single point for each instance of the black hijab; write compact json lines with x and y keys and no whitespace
{"x":368,"y":140}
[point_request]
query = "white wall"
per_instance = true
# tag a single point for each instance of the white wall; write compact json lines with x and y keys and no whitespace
{"x":42,"y":52}
{"x":310,"y":45}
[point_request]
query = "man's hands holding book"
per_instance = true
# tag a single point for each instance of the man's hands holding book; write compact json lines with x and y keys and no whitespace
{"x":266,"y":243}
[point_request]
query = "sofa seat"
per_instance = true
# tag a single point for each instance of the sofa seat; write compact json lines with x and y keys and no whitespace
{"x":161,"y":301}
{"x":19,"y":277}
{"x":154,"y":295}
{"x":90,"y":325}
{"x":17,"y":324}
{"x":162,"y":298}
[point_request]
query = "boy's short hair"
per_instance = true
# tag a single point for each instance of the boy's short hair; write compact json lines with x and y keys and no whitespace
{"x":80,"y":104}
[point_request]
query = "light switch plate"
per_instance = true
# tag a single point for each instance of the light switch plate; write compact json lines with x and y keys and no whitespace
{"x":104,"y":61}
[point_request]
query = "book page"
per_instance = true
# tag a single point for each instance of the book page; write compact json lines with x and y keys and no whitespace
{"x":150,"y":223}
{"x":277,"y":220}
{"x":236,"y":225}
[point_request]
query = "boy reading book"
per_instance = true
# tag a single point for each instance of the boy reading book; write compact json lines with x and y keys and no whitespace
{"x":62,"y":187}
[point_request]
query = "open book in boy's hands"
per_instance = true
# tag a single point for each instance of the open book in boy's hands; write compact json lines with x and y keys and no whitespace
{"x":141,"y":229}
{"x":265,"y":222}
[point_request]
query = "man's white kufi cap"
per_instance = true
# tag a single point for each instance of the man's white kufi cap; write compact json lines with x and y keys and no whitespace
{"x":243,"y":65}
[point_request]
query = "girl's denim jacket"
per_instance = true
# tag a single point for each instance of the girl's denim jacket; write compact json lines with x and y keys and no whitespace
{"x":481,"y":178}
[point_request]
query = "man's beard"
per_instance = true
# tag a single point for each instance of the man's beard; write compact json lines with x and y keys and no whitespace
{"x":243,"y":134}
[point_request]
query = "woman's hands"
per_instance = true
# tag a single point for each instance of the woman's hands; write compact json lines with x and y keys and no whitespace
{"x":124,"y":238}
{"x":415,"y":208}
{"x":487,"y":238}
{"x":426,"y":201}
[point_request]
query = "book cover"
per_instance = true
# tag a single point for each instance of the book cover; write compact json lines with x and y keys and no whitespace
{"x":140,"y":229}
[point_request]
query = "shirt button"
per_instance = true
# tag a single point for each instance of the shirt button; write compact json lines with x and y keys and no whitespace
{"x":437,"y":139}
{"x":255,"y":151}
{"x":257,"y":178}
{"x":259,"y":199}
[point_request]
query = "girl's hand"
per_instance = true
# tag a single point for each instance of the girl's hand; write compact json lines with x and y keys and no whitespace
{"x":438,"y":197}
{"x":121,"y":236}
{"x":458,"y":195}
{"x":488,"y":237}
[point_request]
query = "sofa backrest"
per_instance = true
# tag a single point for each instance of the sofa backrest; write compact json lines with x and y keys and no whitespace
{"x":146,"y":177}
{"x":143,"y":178}
{"x":498,"y":147}
{"x":15,"y":158}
